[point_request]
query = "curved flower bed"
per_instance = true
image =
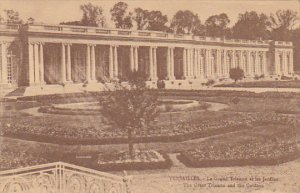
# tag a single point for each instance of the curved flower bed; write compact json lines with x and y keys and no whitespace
{"x":57,"y":134}
{"x":92,"y":108}
{"x":258,"y":151}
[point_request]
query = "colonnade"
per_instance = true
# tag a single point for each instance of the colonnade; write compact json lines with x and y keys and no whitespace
{"x":197,"y":62}
{"x":284,"y":62}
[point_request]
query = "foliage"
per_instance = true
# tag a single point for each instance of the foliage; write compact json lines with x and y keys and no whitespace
{"x":236,"y":74}
{"x":92,"y":16}
{"x":161,"y":84}
{"x":186,"y":22}
{"x":131,"y":108}
{"x":216,"y":25}
{"x":251,"y":25}
{"x":150,"y":20}
{"x":11,"y":17}
{"x":119,"y":15}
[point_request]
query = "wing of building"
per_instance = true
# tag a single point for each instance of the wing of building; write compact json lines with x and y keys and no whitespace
{"x":37,"y":55}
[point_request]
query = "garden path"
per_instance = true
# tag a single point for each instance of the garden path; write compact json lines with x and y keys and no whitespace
{"x":286,"y":179}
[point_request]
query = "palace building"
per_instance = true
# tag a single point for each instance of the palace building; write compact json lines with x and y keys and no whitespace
{"x":40,"y":55}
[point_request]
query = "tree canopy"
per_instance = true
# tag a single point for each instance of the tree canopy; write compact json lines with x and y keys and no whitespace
{"x":186,"y":22}
{"x":92,"y":15}
{"x":11,"y":17}
{"x":150,"y":20}
{"x":251,"y":25}
{"x":120,"y":16}
{"x":217,"y":25}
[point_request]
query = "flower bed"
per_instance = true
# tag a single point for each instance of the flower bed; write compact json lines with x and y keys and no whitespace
{"x":258,"y":151}
{"x":52,"y":133}
{"x":117,"y":161}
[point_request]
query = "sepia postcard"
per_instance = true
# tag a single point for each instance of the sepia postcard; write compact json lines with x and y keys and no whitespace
{"x":149,"y":96}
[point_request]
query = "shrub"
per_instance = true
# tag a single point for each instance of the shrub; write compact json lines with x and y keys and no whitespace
{"x":161,"y":84}
{"x":210,"y":82}
{"x":236,"y":74}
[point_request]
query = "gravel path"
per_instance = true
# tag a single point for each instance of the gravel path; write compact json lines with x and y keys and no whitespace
{"x":283,"y":178}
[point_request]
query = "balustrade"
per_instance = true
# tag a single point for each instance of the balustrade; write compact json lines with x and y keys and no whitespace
{"x":61,"y":177}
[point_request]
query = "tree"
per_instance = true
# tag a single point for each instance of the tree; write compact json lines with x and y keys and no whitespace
{"x":141,"y":18}
{"x":12,"y":17}
{"x":92,"y":15}
{"x":131,"y":108}
{"x":120,"y":16}
{"x":150,"y":20}
{"x":236,"y":74}
{"x":186,"y":22}
{"x":282,"y":23}
{"x":252,"y":26}
{"x":216,"y":25}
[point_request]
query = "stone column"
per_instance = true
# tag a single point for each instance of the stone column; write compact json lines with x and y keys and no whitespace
{"x":207,"y":61}
{"x":132,"y":59}
{"x":233,"y":60}
{"x":168,"y":63}
{"x":264,"y":63}
{"x":93,"y":63}
{"x":188,"y":65}
{"x":286,"y":65}
{"x":184,"y":62}
{"x":225,"y":62}
{"x":88,"y":63}
{"x":42,"y":74}
{"x":30,"y":62}
{"x":116,"y":66}
{"x":196,"y":61}
{"x":111,"y":62}
{"x":3,"y":63}
{"x":248,"y":68}
{"x":150,"y":63}
{"x":241,"y":61}
{"x":291,"y":62}
{"x":172,"y":75}
{"x":256,"y":63}
{"x":69,"y":66}
{"x":136,"y":58}
{"x":36,"y":64}
{"x":219,"y":70}
{"x":154,"y":63}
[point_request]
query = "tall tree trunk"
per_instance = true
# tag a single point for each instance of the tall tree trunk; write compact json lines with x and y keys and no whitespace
{"x":130,"y":142}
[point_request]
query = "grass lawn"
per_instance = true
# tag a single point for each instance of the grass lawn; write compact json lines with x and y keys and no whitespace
{"x":264,"y":84}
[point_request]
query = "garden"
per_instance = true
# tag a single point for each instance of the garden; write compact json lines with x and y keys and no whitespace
{"x":263,"y":131}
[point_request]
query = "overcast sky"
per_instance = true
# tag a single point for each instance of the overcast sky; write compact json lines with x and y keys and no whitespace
{"x":55,"y":11}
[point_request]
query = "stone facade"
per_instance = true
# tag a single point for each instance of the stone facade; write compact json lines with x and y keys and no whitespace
{"x":58,"y":54}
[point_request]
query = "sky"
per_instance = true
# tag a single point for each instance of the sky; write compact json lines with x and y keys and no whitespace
{"x":56,"y":11}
